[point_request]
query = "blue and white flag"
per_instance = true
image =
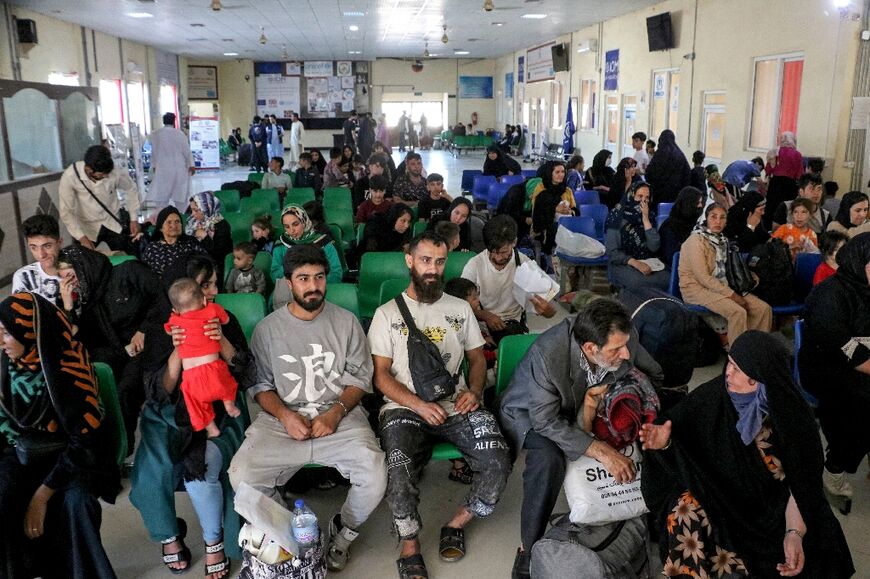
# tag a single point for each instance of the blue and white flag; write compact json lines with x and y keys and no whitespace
{"x":568,"y":133}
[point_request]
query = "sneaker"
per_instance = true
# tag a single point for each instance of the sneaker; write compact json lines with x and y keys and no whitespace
{"x":836,"y":484}
{"x":522,"y":565}
{"x":338,"y":547}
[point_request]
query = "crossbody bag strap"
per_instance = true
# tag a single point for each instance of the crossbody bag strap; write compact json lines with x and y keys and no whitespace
{"x":406,"y":314}
{"x":94,"y":196}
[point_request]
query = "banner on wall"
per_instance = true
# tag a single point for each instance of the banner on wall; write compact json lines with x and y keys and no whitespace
{"x":611,"y":70}
{"x":509,"y":85}
{"x":277,"y":95}
{"x":202,"y":83}
{"x":205,"y":135}
{"x":521,"y":69}
{"x":317,"y":68}
{"x":540,"y":63}
{"x":475,"y":87}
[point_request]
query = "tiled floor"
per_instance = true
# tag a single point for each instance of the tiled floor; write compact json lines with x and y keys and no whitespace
{"x":491,"y":542}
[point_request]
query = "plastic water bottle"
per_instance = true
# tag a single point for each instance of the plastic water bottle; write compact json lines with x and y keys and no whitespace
{"x":304,"y":525}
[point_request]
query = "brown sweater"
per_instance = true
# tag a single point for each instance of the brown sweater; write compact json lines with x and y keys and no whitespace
{"x":697,"y":283}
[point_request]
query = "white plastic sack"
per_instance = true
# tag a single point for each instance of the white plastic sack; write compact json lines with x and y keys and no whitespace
{"x":577,"y":245}
{"x":595,"y":498}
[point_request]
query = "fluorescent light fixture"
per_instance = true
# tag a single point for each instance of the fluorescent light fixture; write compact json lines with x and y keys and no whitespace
{"x":534,"y":16}
{"x":461,"y":52}
{"x":231,"y":53}
{"x":353,"y":27}
{"x":140,"y":15}
{"x":354,"y":52}
{"x":498,"y":23}
{"x":353,"y":13}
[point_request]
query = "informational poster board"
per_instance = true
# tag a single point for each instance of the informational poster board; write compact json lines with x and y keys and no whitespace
{"x":204,"y":142}
{"x":539,"y":63}
{"x":475,"y":87}
{"x":277,"y":95}
{"x":202,"y":83}
{"x":317,"y":68}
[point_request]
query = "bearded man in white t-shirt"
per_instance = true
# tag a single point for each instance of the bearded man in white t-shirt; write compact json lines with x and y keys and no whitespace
{"x":493,"y":271}
{"x":410,"y":424}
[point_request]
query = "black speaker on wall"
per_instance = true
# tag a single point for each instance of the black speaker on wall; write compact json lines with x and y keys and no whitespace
{"x":26,"y":31}
{"x":560,"y":57}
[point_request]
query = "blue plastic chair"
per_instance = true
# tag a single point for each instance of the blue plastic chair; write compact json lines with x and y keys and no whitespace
{"x":468,"y":176}
{"x":664,"y":210}
{"x":599,"y":214}
{"x":530,"y":173}
{"x":804,"y":271}
{"x":495,"y":194}
{"x":512,"y":179}
{"x":674,"y":287}
{"x":480,"y":189}
{"x":798,"y":341}
{"x":585,"y":226}
{"x":584,"y":197}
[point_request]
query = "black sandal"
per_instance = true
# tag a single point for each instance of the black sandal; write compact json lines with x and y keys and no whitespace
{"x":462,"y":474}
{"x":223,"y":565}
{"x":411,"y":567}
{"x":451,"y":547}
{"x":182,"y":556}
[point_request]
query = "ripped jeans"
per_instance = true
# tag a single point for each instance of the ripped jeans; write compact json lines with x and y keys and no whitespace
{"x":407,"y":441}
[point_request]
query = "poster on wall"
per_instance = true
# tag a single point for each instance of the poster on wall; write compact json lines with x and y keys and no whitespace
{"x":475,"y":87}
{"x":277,"y":95}
{"x":204,"y":142}
{"x":521,"y":69}
{"x":293,"y":68}
{"x":318,"y":95}
{"x":611,"y":70}
{"x":509,"y":85}
{"x":539,"y":63}
{"x":343,"y":68}
{"x":317,"y":68}
{"x":202,"y":83}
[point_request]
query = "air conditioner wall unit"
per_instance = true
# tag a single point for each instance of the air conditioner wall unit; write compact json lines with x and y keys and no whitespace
{"x":590,"y":45}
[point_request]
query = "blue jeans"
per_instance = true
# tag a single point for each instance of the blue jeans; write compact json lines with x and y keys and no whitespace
{"x":207,"y":496}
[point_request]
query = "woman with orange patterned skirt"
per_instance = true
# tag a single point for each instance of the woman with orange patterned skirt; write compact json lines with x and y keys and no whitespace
{"x":734,"y":476}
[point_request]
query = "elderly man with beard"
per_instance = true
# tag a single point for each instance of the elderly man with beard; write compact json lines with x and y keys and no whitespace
{"x":313,"y":368}
{"x":410,"y":425}
{"x":568,"y":367}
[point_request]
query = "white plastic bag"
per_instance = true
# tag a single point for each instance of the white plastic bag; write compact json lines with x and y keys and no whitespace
{"x":577,"y":245}
{"x":595,"y":498}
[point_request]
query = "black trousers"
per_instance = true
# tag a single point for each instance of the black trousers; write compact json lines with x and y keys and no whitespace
{"x":115,"y":241}
{"x":70,"y":548}
{"x":542,"y":482}
{"x":259,"y":158}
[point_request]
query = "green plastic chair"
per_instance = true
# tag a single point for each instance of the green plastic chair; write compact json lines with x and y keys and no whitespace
{"x":229,"y":200}
{"x":420,"y":227}
{"x":249,"y":309}
{"x":343,"y":218}
{"x":298,"y":196}
{"x":119,"y":259}
{"x":339,"y":244}
{"x":344,"y":295}
{"x":360,"y":233}
{"x":255,"y":207}
{"x":511,"y":350}
{"x":269,"y":196}
{"x":375,"y":267}
{"x":240,"y":226}
{"x":112,"y":417}
{"x":263,"y":262}
{"x":390,"y":288}
{"x":337,"y":196}
{"x":456,"y":261}
{"x":255,"y":177}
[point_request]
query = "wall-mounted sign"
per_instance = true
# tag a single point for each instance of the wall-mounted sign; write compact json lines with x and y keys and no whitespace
{"x":611,"y":70}
{"x":202,"y":83}
{"x":475,"y":87}
{"x":317,"y":68}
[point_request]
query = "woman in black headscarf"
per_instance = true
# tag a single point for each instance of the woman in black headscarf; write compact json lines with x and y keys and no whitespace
{"x":49,"y":396}
{"x":498,"y":163}
{"x":735,"y":477}
{"x":551,"y":198}
{"x":668,"y":171}
{"x":835,"y":361}
{"x":744,"y":225}
{"x":623,"y":178}
{"x":600,"y":177}
{"x":169,"y":243}
{"x":459,"y":213}
{"x":171,"y":456}
{"x":852,"y":215}
{"x":110,"y":307}
{"x":391,"y":231}
{"x":680,"y":223}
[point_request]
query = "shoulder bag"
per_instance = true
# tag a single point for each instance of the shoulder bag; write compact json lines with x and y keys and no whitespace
{"x":123,"y":217}
{"x":737,"y":272}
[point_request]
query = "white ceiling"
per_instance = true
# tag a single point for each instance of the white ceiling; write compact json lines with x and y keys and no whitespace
{"x":319,"y":29}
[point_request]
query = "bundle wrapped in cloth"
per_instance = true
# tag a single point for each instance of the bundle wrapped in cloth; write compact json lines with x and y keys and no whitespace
{"x":628,"y":404}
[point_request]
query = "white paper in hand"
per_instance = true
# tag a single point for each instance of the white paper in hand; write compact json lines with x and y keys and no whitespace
{"x":531,"y":280}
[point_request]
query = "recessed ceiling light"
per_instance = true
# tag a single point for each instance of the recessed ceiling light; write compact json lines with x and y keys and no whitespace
{"x":197,"y":25}
{"x":353,"y":13}
{"x":353,"y":27}
{"x":534,"y":16}
{"x":354,"y":52}
{"x":231,"y":53}
{"x":461,"y":52}
{"x":228,"y":39}
{"x":498,"y":23}
{"x":140,"y":15}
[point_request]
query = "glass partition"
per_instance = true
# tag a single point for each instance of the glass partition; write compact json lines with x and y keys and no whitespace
{"x":31,"y":124}
{"x":81,"y":126}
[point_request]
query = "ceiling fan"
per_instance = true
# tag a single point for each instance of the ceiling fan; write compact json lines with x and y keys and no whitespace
{"x":489,"y":6}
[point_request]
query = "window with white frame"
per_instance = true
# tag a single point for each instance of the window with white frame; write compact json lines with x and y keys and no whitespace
{"x":665,"y":101}
{"x":776,"y":90}
{"x":588,"y":99}
{"x":713,"y":126}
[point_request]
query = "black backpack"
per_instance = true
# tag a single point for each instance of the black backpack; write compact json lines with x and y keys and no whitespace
{"x":771,"y":262}
{"x":243,"y":187}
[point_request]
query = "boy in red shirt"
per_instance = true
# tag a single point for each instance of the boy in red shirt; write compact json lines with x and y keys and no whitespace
{"x":206,"y":377}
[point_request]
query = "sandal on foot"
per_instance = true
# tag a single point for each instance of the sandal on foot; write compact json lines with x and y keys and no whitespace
{"x":451,"y":547}
{"x":182,"y":556}
{"x":412,"y":566}
{"x":462,"y":474}
{"x":223,"y":565}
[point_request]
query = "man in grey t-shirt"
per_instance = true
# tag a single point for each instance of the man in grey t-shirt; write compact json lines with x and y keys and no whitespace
{"x":313,"y":368}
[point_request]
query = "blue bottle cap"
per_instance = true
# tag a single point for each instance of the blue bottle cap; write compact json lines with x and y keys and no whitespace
{"x":299,"y":503}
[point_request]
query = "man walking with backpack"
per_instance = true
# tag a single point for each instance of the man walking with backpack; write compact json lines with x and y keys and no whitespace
{"x":418,"y":343}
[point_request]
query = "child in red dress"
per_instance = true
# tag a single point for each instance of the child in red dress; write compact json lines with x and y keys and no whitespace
{"x":206,"y":377}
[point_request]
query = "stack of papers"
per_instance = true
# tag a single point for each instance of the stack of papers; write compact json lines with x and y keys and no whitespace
{"x":531,"y":280}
